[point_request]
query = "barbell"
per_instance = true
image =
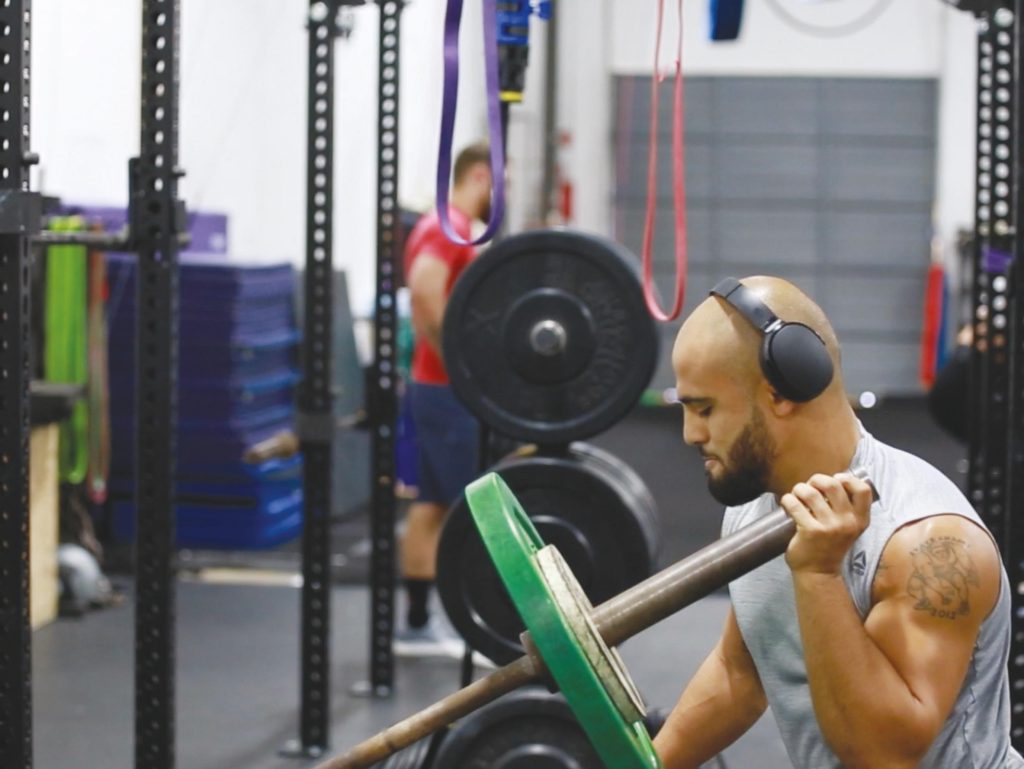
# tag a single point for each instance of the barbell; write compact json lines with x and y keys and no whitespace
{"x":570,"y":644}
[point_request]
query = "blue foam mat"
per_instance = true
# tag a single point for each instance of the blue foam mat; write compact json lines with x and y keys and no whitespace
{"x":229,"y":324}
{"x":208,"y":524}
{"x":241,"y":483}
{"x":193,"y":448}
{"x":248,"y":506}
{"x":214,"y":400}
{"x":245,"y":429}
{"x":245,"y":389}
{"x":214,"y":274}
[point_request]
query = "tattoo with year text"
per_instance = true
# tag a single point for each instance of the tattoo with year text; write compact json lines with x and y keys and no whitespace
{"x":942,"y":577}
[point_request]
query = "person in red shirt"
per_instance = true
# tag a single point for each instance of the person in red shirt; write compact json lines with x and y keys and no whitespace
{"x":447,"y":435}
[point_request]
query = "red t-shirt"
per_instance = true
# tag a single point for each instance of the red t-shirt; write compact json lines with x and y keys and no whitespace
{"x":428,"y":238}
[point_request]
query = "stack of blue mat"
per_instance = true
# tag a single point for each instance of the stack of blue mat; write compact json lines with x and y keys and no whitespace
{"x":236,"y":386}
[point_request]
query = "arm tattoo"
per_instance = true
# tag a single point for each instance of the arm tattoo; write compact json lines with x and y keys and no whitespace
{"x":942,"y":576}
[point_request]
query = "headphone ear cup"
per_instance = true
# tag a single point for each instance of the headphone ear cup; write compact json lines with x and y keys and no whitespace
{"x":796,"y":362}
{"x":769,"y":369}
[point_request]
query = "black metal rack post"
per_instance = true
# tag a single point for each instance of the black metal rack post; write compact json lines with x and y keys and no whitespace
{"x":385,"y":377}
{"x":316,"y":399}
{"x":15,"y":632}
{"x":154,"y":222}
{"x":997,"y":365}
{"x":1013,"y":542}
{"x":979,"y":292}
{"x":996,"y":238}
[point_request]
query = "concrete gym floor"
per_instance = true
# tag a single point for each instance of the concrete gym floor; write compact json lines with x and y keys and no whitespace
{"x":238,"y":646}
{"x":238,"y":668}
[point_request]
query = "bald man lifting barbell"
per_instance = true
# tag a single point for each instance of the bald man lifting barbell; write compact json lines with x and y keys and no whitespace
{"x":881,"y":638}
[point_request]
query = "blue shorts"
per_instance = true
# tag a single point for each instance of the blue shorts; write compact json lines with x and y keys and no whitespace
{"x":448,"y":443}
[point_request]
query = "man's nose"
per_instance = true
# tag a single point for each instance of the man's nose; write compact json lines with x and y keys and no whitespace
{"x":694,"y":432}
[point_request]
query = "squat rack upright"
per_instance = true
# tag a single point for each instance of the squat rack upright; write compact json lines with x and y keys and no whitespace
{"x":154,"y":234}
{"x":316,"y":428}
{"x":996,"y":473}
{"x":15,"y":346}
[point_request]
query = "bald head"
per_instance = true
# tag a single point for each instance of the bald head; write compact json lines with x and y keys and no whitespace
{"x":752,"y":437}
{"x":717,"y":337}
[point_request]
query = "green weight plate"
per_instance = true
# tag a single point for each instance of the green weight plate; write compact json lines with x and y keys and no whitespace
{"x":513,"y":543}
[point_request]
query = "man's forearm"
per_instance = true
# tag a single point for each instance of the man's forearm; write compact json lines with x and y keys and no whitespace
{"x":715,"y":710}
{"x":432,"y":333}
{"x":429,"y":330}
{"x":865,"y":710}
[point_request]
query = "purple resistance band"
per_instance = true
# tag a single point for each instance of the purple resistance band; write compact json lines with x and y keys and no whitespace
{"x":996,"y":262}
{"x":452,"y":23}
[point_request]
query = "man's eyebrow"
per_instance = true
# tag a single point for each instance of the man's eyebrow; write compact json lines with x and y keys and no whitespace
{"x":691,"y":400}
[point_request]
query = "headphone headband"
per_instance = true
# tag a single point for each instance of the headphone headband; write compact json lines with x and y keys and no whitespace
{"x":746,"y":302}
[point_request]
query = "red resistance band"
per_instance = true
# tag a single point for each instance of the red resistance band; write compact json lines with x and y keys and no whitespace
{"x":932,"y":327}
{"x":678,"y":178}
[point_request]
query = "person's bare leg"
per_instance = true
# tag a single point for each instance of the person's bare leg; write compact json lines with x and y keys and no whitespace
{"x":423,"y":525}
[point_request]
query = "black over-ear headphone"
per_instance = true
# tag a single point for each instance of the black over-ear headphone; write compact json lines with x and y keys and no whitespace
{"x":794,"y":358}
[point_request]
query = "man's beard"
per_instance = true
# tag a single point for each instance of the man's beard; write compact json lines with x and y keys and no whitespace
{"x":746,"y":470}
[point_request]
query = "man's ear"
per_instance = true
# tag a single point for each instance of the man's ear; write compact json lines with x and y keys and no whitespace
{"x":771,"y":399}
{"x":482,"y":174}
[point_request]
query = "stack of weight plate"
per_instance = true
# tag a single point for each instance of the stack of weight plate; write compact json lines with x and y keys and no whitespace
{"x":236,"y":386}
{"x":548,"y":341}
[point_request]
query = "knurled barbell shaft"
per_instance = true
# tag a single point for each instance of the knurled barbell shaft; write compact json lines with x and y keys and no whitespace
{"x":617,"y":619}
{"x":693,"y":578}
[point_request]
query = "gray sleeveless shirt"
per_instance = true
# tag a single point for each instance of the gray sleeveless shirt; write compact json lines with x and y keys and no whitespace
{"x":976,"y":734}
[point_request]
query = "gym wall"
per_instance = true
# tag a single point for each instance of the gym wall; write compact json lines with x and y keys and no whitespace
{"x":243,"y":118}
{"x":832,"y":161}
{"x":828,"y":182}
{"x":243,"y":84}
{"x":911,"y":39}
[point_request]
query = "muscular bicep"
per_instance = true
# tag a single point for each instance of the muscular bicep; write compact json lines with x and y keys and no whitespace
{"x":938,"y":579}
